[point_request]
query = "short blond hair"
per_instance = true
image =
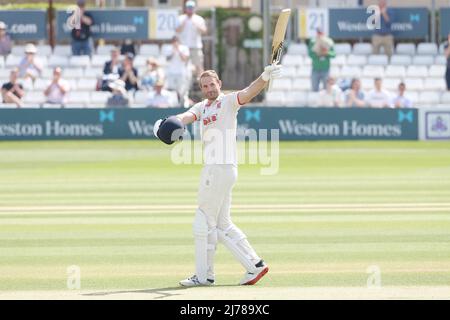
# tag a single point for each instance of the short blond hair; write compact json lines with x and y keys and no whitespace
{"x":208,"y":73}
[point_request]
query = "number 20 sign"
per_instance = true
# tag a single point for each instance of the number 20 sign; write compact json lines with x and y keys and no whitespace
{"x":163,"y":23}
{"x":309,"y":19}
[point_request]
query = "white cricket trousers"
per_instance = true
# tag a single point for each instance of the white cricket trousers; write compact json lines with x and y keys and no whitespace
{"x":214,"y":194}
{"x":214,"y":200}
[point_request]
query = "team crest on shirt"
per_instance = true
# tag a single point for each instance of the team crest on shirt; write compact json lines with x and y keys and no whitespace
{"x":210,"y":119}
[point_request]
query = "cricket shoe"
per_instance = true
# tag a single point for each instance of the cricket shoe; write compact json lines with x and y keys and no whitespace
{"x":250,"y":278}
{"x":194,"y":282}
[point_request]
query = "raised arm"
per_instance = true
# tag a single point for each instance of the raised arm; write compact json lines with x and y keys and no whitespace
{"x":270,"y":72}
{"x":186,"y":117}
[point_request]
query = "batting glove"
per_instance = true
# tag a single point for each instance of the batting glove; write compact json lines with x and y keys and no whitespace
{"x":272,"y":71}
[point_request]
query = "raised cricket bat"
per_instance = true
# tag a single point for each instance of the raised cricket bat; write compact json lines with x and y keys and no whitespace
{"x":278,"y":38}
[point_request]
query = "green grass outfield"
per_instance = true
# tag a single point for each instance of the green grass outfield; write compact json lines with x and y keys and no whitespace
{"x":122,"y":212}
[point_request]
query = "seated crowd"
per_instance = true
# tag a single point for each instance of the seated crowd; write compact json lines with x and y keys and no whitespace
{"x":166,"y":86}
{"x":351,"y":95}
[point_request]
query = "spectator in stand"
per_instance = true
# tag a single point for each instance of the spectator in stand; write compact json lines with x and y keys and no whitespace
{"x":128,"y":73}
{"x":383,"y":36}
{"x":321,"y":51}
{"x":331,"y":96}
{"x":178,"y":77}
{"x":161,"y":98}
{"x":119,"y":97}
{"x":111,"y":70}
{"x":190,"y":28}
{"x":82,"y":42}
{"x":153,"y":73}
{"x":128,"y":47}
{"x":447,"y":55}
{"x":402,"y":101}
{"x":30,"y":67}
{"x":56,"y":92}
{"x":5,"y":40}
{"x":354,"y":97}
{"x":378,"y":97}
{"x":12,"y":91}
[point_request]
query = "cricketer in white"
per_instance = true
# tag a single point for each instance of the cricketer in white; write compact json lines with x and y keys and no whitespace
{"x":212,"y":222}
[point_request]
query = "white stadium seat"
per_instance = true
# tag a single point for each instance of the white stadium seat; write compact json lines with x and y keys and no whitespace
{"x":335,"y":71}
{"x":87,"y":84}
{"x":150,"y":50}
{"x":166,"y":49}
{"x":275,"y":98}
{"x":391,"y":84}
{"x":141,"y":96}
{"x":47,"y":73}
{"x":367,"y":84}
{"x":282,"y":84}
{"x":423,"y":60}
{"x":445,"y":98}
{"x":99,"y":60}
{"x":93,"y":73}
{"x":435,"y":84}
{"x":356,"y":60}
{"x":73,"y":73}
{"x":429,"y":98}
{"x":140,"y":61}
{"x":297,"y":49}
{"x":18,"y":50}
{"x":105,"y":49}
{"x":378,"y":59}
{"x":417,"y":71}
{"x":362,"y":48}
{"x":413,"y":83}
{"x":395,"y":71}
{"x":99,"y":97}
{"x":312,"y":99}
{"x":400,"y":60}
{"x":427,"y":48}
{"x":373,"y":71}
{"x":296,"y":98}
{"x":58,"y":61}
{"x":35,"y":97}
{"x":292,"y":60}
{"x":351,"y":71}
{"x":406,"y":49}
{"x":307,"y":61}
{"x":79,"y":97}
{"x":44,"y":50}
{"x":13,"y":61}
{"x":342,"y":48}
{"x":303,"y":72}
{"x":339,"y":60}
{"x":41,"y":84}
{"x":301,"y":84}
{"x":289,"y":72}
{"x":437,"y":71}
{"x":2,"y":62}
{"x":80,"y":61}
{"x":62,"y":50}
{"x":413,"y":95}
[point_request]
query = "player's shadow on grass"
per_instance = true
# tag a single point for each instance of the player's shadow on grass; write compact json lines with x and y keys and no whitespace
{"x":163,"y":292}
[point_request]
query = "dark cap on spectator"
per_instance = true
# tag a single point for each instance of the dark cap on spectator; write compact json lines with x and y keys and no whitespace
{"x":81,"y":2}
{"x":319,"y":30}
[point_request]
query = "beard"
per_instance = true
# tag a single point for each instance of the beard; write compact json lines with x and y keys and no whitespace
{"x":212,"y":95}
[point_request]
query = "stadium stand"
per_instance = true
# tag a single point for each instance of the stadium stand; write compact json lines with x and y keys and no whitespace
{"x":420,"y":67}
